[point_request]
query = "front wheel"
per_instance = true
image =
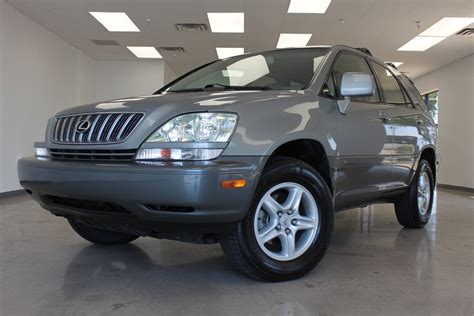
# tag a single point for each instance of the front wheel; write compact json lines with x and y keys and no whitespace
{"x":288,"y":227}
{"x":100,"y":236}
{"x":413,"y":209}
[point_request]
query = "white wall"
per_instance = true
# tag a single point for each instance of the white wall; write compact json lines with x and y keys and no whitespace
{"x":40,"y":74}
{"x":455,"y":83}
{"x":119,"y":79}
{"x":2,"y":26}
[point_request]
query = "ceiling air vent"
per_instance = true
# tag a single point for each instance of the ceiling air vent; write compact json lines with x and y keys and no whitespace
{"x":468,"y":31}
{"x":105,"y":43}
{"x":173,"y":50}
{"x":191,"y":27}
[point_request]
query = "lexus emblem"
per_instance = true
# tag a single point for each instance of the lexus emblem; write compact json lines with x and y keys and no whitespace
{"x":83,"y":126}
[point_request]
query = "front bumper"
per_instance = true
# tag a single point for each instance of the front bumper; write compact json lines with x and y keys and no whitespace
{"x":154,"y":194}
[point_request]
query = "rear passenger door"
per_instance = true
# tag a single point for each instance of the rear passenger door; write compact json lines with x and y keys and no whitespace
{"x":365,"y":144}
{"x":406,"y":123}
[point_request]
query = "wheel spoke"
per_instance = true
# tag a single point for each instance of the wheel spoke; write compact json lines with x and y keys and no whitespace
{"x":268,"y":233}
{"x":271,"y":206}
{"x":294,"y":199}
{"x":304,"y":222}
{"x":288,"y":244}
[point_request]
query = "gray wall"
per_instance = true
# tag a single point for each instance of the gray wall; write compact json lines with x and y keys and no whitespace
{"x":455,"y":83}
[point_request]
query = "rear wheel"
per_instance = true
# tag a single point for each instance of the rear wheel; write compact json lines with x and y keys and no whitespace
{"x":99,"y":236}
{"x":288,"y":227}
{"x":414,"y":208}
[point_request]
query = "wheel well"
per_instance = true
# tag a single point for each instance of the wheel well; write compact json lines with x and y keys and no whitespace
{"x":429,"y":155}
{"x":309,"y":151}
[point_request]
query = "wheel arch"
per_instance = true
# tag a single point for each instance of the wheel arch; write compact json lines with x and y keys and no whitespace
{"x":429,"y":154}
{"x":310,"y":151}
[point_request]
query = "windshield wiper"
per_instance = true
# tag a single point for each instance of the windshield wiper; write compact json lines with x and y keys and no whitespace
{"x":222,"y":87}
{"x":187,"y":90}
{"x":218,"y":86}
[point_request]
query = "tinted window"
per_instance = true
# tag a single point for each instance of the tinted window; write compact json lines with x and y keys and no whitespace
{"x":347,"y":62}
{"x":329,"y":89}
{"x":417,"y":98}
{"x":388,"y":85}
{"x":281,"y":70}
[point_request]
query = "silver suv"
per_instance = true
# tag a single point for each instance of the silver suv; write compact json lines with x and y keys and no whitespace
{"x":256,"y":152}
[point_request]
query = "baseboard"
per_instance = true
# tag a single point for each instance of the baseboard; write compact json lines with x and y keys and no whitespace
{"x":12,"y":193}
{"x":455,"y":187}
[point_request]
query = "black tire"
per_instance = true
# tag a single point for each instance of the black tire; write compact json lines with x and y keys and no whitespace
{"x":99,"y":236}
{"x":406,"y":208}
{"x":241,"y":246}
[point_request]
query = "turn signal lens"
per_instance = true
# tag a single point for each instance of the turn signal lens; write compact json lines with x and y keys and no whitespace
{"x":233,"y":184}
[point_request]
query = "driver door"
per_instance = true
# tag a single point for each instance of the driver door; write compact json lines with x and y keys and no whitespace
{"x":365,"y":146}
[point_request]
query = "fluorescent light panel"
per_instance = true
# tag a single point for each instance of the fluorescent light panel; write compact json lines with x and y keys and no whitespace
{"x":421,"y":43}
{"x":439,"y":31}
{"x":308,"y":6}
{"x":226,"y":52}
{"x":447,"y":26}
{"x":115,"y":21}
{"x":226,"y":22}
{"x":293,"y":40}
{"x":144,"y":51}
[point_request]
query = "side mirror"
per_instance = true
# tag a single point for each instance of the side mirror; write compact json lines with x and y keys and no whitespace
{"x":357,"y":84}
{"x":354,"y":84}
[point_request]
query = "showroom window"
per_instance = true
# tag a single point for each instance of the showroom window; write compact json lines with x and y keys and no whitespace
{"x":432,"y":101}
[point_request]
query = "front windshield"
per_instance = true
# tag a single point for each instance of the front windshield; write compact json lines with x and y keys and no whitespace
{"x":289,"y":69}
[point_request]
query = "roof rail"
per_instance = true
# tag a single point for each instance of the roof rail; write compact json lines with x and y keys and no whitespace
{"x":364,"y":50}
{"x":392,"y":65}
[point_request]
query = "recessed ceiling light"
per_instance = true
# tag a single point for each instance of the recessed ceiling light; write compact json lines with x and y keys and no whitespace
{"x":447,"y":26}
{"x":308,"y":6}
{"x":144,"y":51}
{"x":225,"y":52}
{"x":115,"y":21}
{"x":421,"y":43}
{"x":293,"y":40}
{"x":226,"y":22}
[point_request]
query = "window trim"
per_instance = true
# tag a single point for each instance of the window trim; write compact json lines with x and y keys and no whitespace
{"x":331,"y":73}
{"x":396,"y":79}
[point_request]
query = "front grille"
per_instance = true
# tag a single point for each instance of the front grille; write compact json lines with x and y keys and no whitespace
{"x":95,"y":128}
{"x":99,"y":155}
{"x":87,"y":205}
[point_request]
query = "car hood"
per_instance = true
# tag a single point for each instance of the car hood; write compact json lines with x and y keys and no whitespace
{"x":176,"y":103}
{"x":251,"y":106}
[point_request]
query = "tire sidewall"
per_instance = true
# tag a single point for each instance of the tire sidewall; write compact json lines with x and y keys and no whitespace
{"x":306,"y":176}
{"x":423,"y":167}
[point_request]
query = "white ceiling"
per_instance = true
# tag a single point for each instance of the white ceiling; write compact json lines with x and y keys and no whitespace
{"x":380,"y":25}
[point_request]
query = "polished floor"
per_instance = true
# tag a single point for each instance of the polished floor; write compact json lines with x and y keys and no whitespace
{"x":373,"y":267}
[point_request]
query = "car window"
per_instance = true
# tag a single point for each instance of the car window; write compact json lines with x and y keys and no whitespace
{"x":417,"y":98}
{"x":388,"y":85}
{"x":407,"y":98}
{"x":329,"y":89}
{"x":347,"y":62}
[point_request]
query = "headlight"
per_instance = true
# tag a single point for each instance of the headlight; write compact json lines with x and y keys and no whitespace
{"x":196,"y":127}
{"x":198,"y":136}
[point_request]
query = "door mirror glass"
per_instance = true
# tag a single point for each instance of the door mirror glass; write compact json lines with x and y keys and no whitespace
{"x":357,"y":84}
